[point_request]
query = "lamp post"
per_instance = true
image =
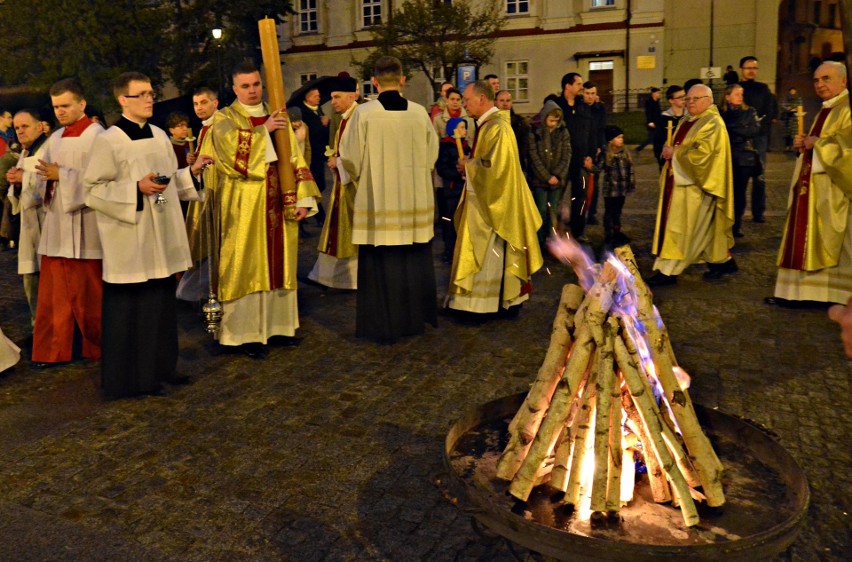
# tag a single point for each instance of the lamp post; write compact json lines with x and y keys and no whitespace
{"x":217,"y":37}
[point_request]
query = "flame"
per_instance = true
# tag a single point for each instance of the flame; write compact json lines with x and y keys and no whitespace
{"x":682,"y":377}
{"x":568,"y":251}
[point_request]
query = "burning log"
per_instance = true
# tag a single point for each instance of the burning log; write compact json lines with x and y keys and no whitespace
{"x":526,"y":422}
{"x":660,"y":489}
{"x":703,"y":457}
{"x":581,"y":430}
{"x":619,"y":365}
{"x":602,"y":419}
{"x":651,"y":419}
{"x":599,"y":302}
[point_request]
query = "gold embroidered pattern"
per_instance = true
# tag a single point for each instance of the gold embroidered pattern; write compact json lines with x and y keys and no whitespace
{"x":243,"y":151}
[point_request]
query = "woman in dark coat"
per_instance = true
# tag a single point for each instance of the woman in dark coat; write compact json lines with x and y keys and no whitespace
{"x":742,"y":124}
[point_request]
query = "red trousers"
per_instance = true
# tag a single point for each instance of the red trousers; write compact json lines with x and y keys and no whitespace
{"x":69,"y":293}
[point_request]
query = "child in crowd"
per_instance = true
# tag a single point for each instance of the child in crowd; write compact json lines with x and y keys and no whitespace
{"x":449,"y":194}
{"x":617,"y":179}
{"x":550,"y":154}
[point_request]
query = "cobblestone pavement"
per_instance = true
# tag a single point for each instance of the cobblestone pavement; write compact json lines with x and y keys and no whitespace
{"x":328,"y":451}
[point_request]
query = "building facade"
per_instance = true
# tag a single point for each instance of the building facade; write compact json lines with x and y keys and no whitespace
{"x":625,"y":46}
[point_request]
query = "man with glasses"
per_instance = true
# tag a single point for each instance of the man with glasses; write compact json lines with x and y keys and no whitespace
{"x":815,"y":258}
{"x":757,"y":95}
{"x":695,"y":215}
{"x":133,"y":182}
{"x":69,"y":293}
{"x":677,"y":106}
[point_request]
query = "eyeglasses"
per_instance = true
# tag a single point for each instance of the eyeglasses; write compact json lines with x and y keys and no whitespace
{"x":678,"y":97}
{"x":143,"y":95}
{"x":696,"y":98}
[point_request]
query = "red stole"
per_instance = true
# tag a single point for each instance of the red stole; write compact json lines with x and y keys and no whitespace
{"x":201,"y":134}
{"x":793,"y":252}
{"x":76,"y":129}
{"x":274,"y":209}
{"x":681,"y":133}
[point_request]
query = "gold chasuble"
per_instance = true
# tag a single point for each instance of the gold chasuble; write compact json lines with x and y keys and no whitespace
{"x":695,"y":213}
{"x":817,"y":217}
{"x":496,"y":220}
{"x":336,"y":236}
{"x":196,"y":210}
{"x":258,"y":241}
{"x":815,"y":258}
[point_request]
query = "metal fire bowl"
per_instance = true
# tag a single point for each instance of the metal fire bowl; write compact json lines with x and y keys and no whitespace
{"x":767,"y":498}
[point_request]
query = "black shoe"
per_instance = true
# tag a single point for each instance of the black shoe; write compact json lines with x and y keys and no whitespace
{"x":719,"y":270}
{"x":620,"y":239}
{"x":778,"y":301}
{"x":40,"y":365}
{"x":285,"y":341}
{"x":254,"y":350}
{"x":796,"y":305}
{"x":178,"y":380}
{"x":738,"y":234}
{"x":661,"y":280}
{"x":759,"y":219}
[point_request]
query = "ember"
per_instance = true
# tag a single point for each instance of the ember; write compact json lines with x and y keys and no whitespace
{"x":609,"y":391}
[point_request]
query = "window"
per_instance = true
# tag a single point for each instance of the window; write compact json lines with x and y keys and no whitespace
{"x":603,"y":3}
{"x":601,"y":65}
{"x":371,"y":11}
{"x":368,"y":90}
{"x":832,"y":16}
{"x":517,"y":7}
{"x":307,"y":77}
{"x":308,"y":16}
{"x":517,"y":80}
{"x":817,"y":12}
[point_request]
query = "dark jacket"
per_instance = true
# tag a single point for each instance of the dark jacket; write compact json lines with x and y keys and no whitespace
{"x":522,"y":136}
{"x":598,"y":111}
{"x":758,"y":96}
{"x":448,"y":157}
{"x":660,"y":132}
{"x":742,"y":127}
{"x":581,"y":129}
{"x":652,"y":111}
{"x":550,"y":152}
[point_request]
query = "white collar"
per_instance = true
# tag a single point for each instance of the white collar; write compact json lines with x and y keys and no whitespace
{"x":833,"y":101}
{"x":254,"y":110}
{"x":485,"y":115}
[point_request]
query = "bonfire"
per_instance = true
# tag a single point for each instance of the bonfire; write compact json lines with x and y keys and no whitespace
{"x":608,"y":396}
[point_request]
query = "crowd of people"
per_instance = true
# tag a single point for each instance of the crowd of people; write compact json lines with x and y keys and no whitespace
{"x":115,"y":223}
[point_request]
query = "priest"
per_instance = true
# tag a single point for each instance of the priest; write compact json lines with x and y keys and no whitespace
{"x":497,"y":248}
{"x":695,"y":214}
{"x":258,"y":221}
{"x":337,"y":260}
{"x":144,"y":240}
{"x":194,"y":286}
{"x":815,"y":259}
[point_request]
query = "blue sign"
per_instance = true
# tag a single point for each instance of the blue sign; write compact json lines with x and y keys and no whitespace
{"x":465,"y":75}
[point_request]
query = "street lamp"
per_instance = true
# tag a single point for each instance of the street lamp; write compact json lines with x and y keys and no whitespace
{"x":217,"y":36}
